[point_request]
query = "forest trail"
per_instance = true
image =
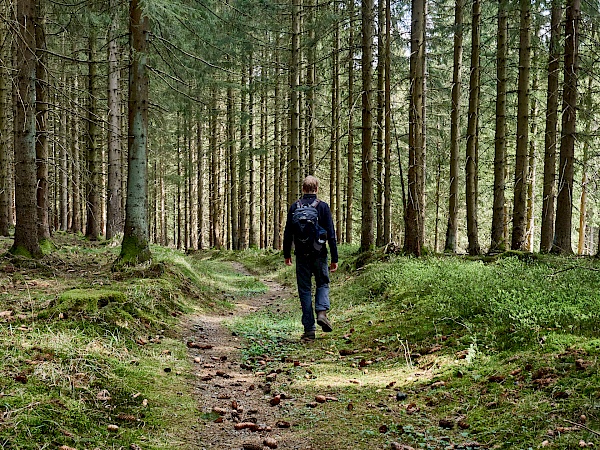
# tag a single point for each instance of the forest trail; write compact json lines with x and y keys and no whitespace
{"x":229,"y":393}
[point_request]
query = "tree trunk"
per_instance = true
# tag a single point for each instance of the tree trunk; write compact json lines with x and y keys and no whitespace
{"x":350,"y":160}
{"x":201,"y":188}
{"x":497,"y":236}
{"x":114,"y":214}
{"x":92,"y":230}
{"x":252,"y":238}
{"x":277,"y":173}
{"x":564,"y":204}
{"x":63,"y":176}
{"x":295,"y":150}
{"x":5,"y":132}
{"x":216,"y":240}
{"x":549,"y":190}
{"x":243,"y":165}
{"x":135,"y":248}
{"x":76,"y":222}
{"x":531,"y":169}
{"x":452,"y":228}
{"x":387,"y":209}
{"x":472,"y":171}
{"x":415,"y":208}
{"x":367,"y":239}
{"x":311,"y":80}
{"x":41,"y":145}
{"x":520,"y":190}
{"x":379,"y":239}
{"x":26,"y":230}
{"x":584,"y":170}
{"x":233,"y":186}
{"x":335,"y":119}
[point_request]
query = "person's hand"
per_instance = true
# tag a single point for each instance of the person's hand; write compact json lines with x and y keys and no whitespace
{"x":333,"y":267}
{"x":288,"y":261}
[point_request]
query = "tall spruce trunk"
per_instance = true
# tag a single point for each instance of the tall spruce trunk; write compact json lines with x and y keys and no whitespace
{"x":350,"y":152}
{"x":277,"y":173}
{"x":135,"y":247}
{"x":200,"y":177}
{"x":114,"y":214}
{"x":335,"y":121}
{"x":498,"y":243}
{"x":415,"y":208}
{"x":243,"y":165}
{"x":472,"y":160}
{"x":41,"y":144}
{"x":5,"y":132}
{"x":387,"y":137}
{"x":550,"y":135}
{"x":453,"y":203}
{"x":233,"y":183}
{"x":295,"y":147}
{"x":93,"y":164}
{"x":26,"y":230}
{"x":531,"y":167}
{"x":519,"y":231}
{"x":564,"y":203}
{"x":367,"y":240}
{"x":379,"y":238}
{"x":75,"y":149}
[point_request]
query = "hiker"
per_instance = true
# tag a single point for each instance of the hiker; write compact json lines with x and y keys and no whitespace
{"x":309,"y":225}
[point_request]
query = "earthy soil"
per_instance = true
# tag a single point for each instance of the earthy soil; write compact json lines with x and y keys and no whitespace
{"x":230,"y":393}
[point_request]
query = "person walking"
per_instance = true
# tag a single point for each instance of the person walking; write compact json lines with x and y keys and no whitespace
{"x":309,"y":226}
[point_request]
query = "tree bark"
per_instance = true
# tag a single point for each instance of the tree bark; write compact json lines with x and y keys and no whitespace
{"x":415,"y":208}
{"x":387,"y":182}
{"x":498,"y":243}
{"x":367,"y":241}
{"x":295,"y":148}
{"x":564,"y":204}
{"x":531,"y":169}
{"x":5,"y":132}
{"x":379,"y":238}
{"x":452,"y":227}
{"x":114,"y":214}
{"x":550,"y":135}
{"x":472,"y":160}
{"x":41,"y":145}
{"x":26,"y":230}
{"x":518,"y":241}
{"x":135,"y":247}
{"x":201,"y":188}
{"x":233,"y":183}
{"x":93,"y":165}
{"x":350,"y":156}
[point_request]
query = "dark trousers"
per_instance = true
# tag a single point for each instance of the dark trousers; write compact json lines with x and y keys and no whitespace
{"x":306,"y":268}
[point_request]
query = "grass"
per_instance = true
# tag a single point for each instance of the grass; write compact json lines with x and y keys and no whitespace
{"x":500,"y":353}
{"x":83,"y":349}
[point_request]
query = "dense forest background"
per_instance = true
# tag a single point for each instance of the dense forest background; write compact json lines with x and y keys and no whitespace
{"x":441,"y":125}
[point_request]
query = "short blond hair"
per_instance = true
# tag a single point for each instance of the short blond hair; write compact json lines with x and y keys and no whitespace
{"x":310,"y":185}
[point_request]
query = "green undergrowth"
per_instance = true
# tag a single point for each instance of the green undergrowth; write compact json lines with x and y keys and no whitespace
{"x":442,"y":352}
{"x":85,"y":350}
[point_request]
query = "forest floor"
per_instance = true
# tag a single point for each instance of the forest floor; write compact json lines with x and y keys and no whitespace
{"x":202,"y":351}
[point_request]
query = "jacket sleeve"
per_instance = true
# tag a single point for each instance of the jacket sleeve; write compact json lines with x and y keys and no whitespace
{"x":331,"y":236}
{"x":288,"y":235}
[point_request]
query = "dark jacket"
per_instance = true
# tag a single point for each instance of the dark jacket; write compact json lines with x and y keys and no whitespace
{"x":325,"y":221}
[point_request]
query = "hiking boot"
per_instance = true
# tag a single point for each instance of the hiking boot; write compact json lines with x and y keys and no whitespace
{"x":323,"y":321}
{"x":308,"y":336}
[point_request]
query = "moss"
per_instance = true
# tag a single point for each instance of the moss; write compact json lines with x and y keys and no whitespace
{"x":47,"y":246}
{"x":134,"y":251}
{"x":84,"y":301}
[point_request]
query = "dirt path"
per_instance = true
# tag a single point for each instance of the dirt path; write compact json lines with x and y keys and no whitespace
{"x":228,"y":393}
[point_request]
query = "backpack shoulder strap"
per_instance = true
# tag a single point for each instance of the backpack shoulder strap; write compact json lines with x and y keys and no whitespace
{"x":315,"y":203}
{"x":299,"y":203}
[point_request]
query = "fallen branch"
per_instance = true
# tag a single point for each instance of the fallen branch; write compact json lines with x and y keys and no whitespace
{"x":582,"y":426}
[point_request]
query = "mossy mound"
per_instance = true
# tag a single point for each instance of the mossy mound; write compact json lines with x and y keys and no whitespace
{"x":83,"y":302}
